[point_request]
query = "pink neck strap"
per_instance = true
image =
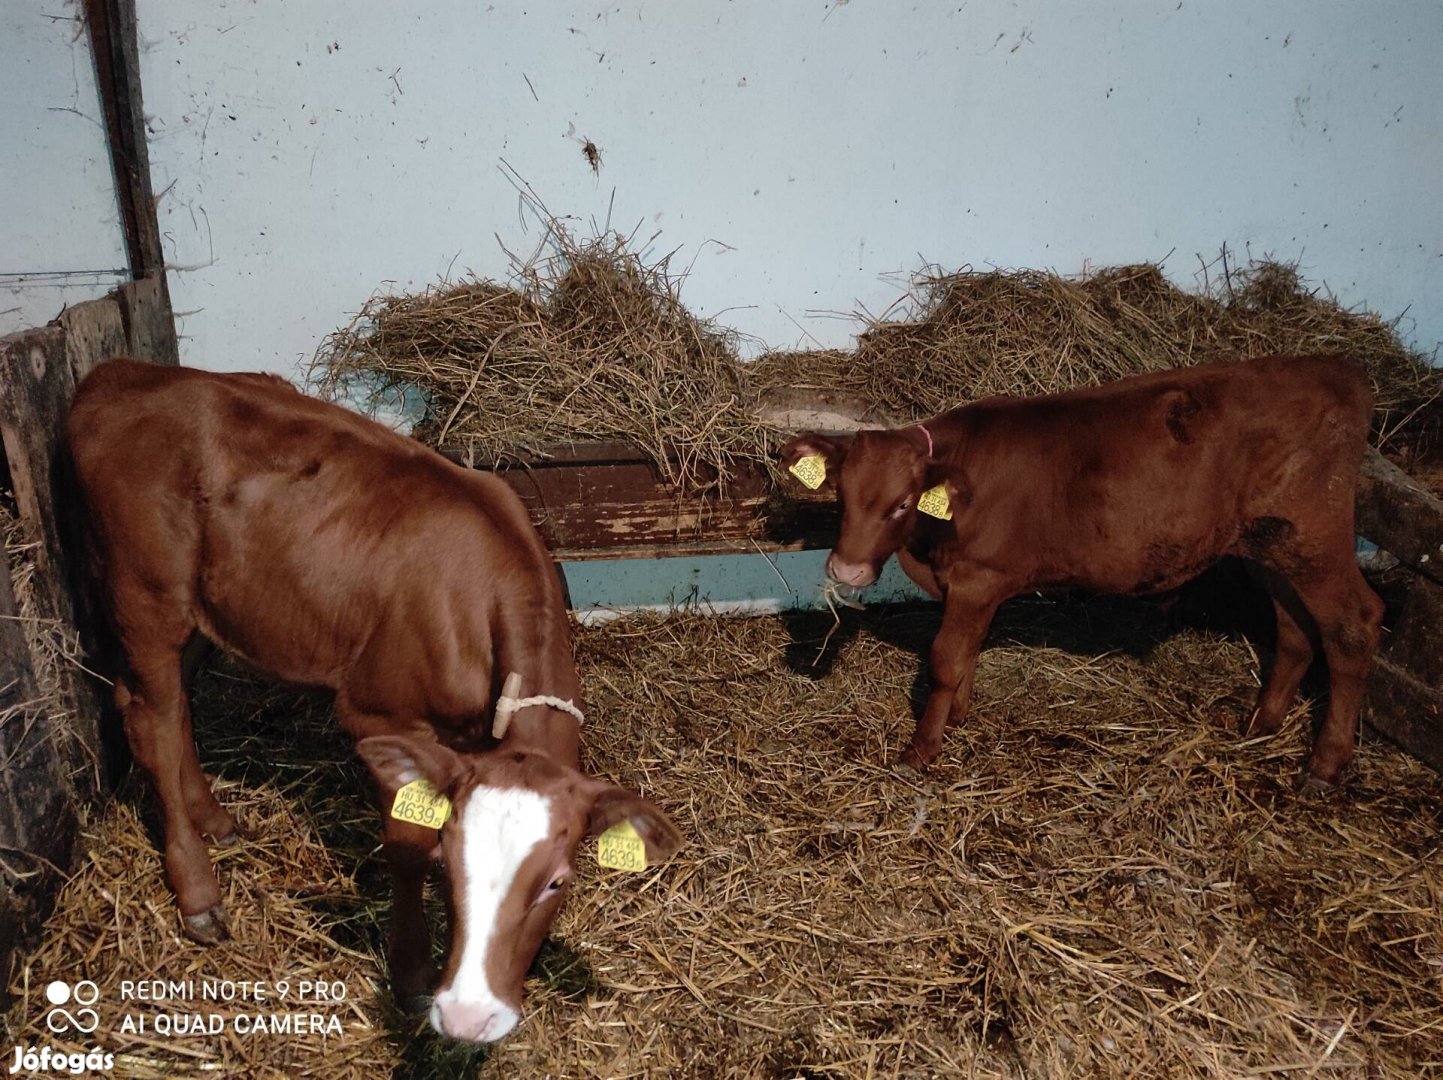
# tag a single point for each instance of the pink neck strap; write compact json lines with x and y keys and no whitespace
{"x":923,"y":429}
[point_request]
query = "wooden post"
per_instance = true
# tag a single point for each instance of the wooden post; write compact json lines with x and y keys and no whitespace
{"x":113,"y":46}
{"x":38,"y":817}
{"x":35,"y":389}
{"x":1405,"y":688}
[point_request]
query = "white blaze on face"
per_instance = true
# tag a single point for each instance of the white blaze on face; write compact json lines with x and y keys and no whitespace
{"x":500,"y":827}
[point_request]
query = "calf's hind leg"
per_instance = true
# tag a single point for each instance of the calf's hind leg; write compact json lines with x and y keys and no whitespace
{"x":210,"y":819}
{"x":157,"y":727}
{"x":1291,"y":657}
{"x":1349,"y":615}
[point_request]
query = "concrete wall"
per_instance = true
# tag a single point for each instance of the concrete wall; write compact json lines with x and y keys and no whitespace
{"x":802,"y":157}
{"x":60,"y":233}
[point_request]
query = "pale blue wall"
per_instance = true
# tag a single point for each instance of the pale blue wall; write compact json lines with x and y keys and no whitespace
{"x":60,"y":235}
{"x":798,"y":155}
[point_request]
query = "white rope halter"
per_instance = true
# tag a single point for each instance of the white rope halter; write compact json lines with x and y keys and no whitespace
{"x":509,"y":703}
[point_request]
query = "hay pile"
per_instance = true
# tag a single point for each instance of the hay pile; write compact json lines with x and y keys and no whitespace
{"x":590,"y":343}
{"x":972,"y":334}
{"x":594,"y":343}
{"x":1099,"y":879}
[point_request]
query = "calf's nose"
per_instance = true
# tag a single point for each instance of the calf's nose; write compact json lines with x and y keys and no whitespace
{"x":473,"y":1021}
{"x":849,"y":573}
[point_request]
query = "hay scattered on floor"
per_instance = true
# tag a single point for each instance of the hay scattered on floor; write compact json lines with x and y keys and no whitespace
{"x":594,"y":343}
{"x":1100,"y":878}
{"x":291,"y":887}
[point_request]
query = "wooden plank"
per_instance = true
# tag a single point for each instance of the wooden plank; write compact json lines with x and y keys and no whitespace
{"x":35,"y":391}
{"x":113,"y":45}
{"x":606,"y":500}
{"x":94,"y":331}
{"x":1416,"y":643}
{"x":149,"y":324}
{"x":17,"y":681}
{"x":1401,"y":516}
{"x":145,"y":302}
{"x":38,"y":823}
{"x":1406,"y":710}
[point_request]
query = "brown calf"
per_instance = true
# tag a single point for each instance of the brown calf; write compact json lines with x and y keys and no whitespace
{"x":1132,"y":487}
{"x":324,"y":550}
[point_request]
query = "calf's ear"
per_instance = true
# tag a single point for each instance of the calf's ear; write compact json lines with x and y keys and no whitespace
{"x":830,"y":450}
{"x":616,"y":804}
{"x":396,"y":760}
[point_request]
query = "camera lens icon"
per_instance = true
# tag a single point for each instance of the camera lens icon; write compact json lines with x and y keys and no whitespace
{"x":60,"y":1019}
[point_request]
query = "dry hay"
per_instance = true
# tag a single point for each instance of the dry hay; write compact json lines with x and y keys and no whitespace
{"x":971,"y":334}
{"x":291,"y":887}
{"x":1099,"y":879}
{"x":589,"y":343}
{"x":594,"y":343}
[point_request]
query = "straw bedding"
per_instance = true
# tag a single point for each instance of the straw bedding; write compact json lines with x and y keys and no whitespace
{"x":1099,"y":879}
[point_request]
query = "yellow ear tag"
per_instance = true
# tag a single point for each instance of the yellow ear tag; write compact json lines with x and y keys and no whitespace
{"x":421,"y":804}
{"x":621,"y":848}
{"x":934,"y":502}
{"x":810,"y":470}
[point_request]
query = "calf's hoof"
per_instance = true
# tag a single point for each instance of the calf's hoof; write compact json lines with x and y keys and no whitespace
{"x":1313,"y":786}
{"x":207,"y":927}
{"x":216,"y":825}
{"x":911,"y":764}
{"x":228,"y":839}
{"x":413,"y":983}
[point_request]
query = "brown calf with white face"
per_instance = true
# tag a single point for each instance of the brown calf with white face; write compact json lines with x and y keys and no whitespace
{"x":1132,"y":487}
{"x":325,"y":550}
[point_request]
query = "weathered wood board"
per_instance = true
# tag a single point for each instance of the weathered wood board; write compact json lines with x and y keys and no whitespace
{"x":35,"y":390}
{"x":94,"y":331}
{"x":36,"y":385}
{"x":605,"y":500}
{"x":1401,"y":516}
{"x":38,"y":819}
{"x":1407,"y":710}
{"x":1405,"y":688}
{"x":149,"y":324}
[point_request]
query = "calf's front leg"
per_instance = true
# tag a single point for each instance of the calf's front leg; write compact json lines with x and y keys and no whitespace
{"x":967,"y":613}
{"x":408,"y":849}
